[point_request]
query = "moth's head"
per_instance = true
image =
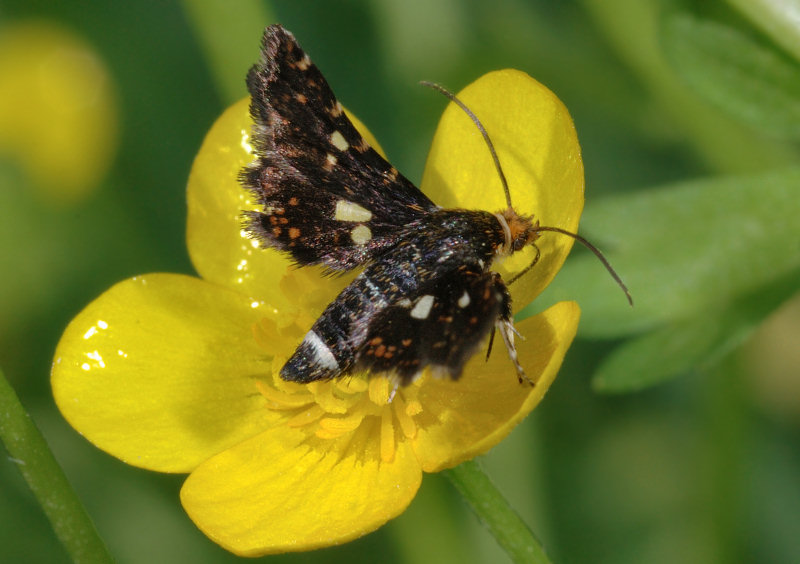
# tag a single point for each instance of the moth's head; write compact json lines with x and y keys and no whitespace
{"x":520,"y":230}
{"x":523,"y":230}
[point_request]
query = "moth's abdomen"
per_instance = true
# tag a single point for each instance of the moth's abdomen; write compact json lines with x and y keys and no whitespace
{"x":314,"y":360}
{"x":328,"y":350}
{"x":325,"y":352}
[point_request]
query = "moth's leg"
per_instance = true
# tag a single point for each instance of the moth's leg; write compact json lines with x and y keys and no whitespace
{"x":505,"y":326}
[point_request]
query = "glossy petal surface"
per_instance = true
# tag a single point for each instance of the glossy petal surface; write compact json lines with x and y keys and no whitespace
{"x":159,"y":371}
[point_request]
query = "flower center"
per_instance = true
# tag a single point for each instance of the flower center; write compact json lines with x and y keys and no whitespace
{"x":358,"y":406}
{"x":334,"y":409}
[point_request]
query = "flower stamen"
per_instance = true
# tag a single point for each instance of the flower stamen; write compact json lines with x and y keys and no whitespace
{"x":387,"y":435}
{"x":379,"y":391}
{"x":334,"y":427}
{"x":407,"y":424}
{"x":331,"y":409}
{"x":306,"y":417}
{"x":281,"y":400}
{"x":333,"y":396}
{"x":413,"y":407}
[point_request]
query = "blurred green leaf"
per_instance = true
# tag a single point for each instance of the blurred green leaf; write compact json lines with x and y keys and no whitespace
{"x":685,"y":345}
{"x":753,"y":83}
{"x":682,"y":249}
{"x":229,"y":38}
{"x":634,"y":29}
{"x":777,"y":18}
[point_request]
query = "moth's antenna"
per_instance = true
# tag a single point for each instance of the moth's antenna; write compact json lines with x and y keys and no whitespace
{"x":496,"y":160}
{"x":525,"y":270}
{"x":480,"y":127}
{"x":586,"y":244}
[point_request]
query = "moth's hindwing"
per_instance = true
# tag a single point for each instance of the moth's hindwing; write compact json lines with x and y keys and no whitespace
{"x":441,"y":325}
{"x":327,"y":196}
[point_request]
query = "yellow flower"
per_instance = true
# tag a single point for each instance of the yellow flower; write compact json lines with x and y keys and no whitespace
{"x":179,"y":374}
{"x":58,"y":114}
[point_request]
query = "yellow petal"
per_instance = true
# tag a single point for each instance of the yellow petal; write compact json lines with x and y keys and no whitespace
{"x":466,"y":418}
{"x":220,"y":250}
{"x":160,"y":371}
{"x":274,"y":493}
{"x":539,"y":152}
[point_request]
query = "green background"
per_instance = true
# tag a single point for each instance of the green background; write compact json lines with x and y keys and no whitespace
{"x":672,"y":433}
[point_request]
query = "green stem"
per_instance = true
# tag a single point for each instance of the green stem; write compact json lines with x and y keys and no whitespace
{"x":28,"y":449}
{"x":724,"y":460}
{"x":496,"y":513}
{"x":229,"y":34}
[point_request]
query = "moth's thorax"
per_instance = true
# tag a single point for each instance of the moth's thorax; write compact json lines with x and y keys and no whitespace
{"x":518,"y":231}
{"x":459,"y":229}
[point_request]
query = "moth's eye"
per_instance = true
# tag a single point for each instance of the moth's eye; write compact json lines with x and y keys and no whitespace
{"x":519,"y":242}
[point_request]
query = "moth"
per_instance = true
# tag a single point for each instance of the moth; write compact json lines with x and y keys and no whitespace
{"x":427,"y":297}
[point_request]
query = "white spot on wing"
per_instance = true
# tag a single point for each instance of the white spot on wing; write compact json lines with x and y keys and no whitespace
{"x":463,"y":301}
{"x":360,"y":234}
{"x":348,"y":211}
{"x":338,"y":141}
{"x":322,"y":353}
{"x":304,"y":63}
{"x":422,"y":308}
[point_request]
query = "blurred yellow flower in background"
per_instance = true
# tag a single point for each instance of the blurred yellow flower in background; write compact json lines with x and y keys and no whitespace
{"x":58,"y":113}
